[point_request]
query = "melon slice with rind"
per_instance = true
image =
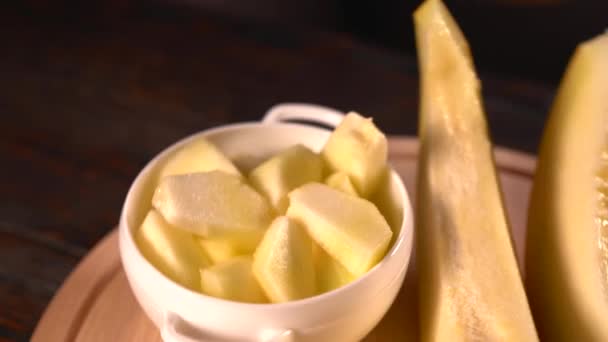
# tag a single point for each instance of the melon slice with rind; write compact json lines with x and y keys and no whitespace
{"x":567,"y":235}
{"x":469,"y":282}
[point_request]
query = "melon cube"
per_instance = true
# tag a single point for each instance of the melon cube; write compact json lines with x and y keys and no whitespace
{"x":174,"y":252}
{"x":330,"y":274}
{"x":283,"y":262}
{"x":341,"y":181}
{"x":212,"y":204}
{"x":232,"y":280}
{"x":387,"y":199}
{"x":197,"y":156}
{"x":358,"y":148}
{"x":221,"y":249}
{"x":277,"y":176}
{"x":349,"y":228}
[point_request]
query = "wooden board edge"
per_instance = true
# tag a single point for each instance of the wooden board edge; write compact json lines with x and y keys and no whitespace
{"x":60,"y":320}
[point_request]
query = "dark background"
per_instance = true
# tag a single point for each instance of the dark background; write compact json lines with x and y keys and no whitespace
{"x":91,"y":90}
{"x":530,"y":39}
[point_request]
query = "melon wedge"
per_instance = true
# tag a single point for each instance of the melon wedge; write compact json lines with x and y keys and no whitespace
{"x":349,"y":228}
{"x":567,"y":242}
{"x":212,"y":204}
{"x":172,"y":251}
{"x":233,"y":280}
{"x":470,"y":285}
{"x":283,"y":262}
{"x":197,"y":156}
{"x":284,"y":172}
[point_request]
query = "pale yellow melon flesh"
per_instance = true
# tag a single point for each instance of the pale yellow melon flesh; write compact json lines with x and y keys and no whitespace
{"x":233,"y":280}
{"x":349,"y":228}
{"x":172,"y":251}
{"x":567,"y":242}
{"x":199,"y":155}
{"x":227,"y":247}
{"x":341,"y":181}
{"x":387,"y":199}
{"x":359,"y":149}
{"x":470,"y":285}
{"x":284,"y":172}
{"x":330,"y":274}
{"x":283,"y":262}
{"x":212,"y":204}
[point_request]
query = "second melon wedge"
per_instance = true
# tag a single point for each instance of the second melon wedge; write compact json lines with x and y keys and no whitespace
{"x":567,"y":242}
{"x":470,"y":286}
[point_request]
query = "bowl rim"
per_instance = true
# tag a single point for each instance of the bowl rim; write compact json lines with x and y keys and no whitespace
{"x":403,"y":240}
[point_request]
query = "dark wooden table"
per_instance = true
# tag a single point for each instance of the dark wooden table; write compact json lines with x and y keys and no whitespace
{"x":85,"y":103}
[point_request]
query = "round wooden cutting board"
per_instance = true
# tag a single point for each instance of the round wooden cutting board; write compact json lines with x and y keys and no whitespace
{"x":95,"y":302}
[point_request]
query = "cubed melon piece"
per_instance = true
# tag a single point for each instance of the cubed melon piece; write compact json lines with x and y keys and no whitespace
{"x":330,"y":273}
{"x":341,"y":181}
{"x":232,"y":280}
{"x":387,"y":199}
{"x":221,"y":249}
{"x":349,"y":228}
{"x":174,"y":252}
{"x":358,"y":148}
{"x":197,"y":156}
{"x":212,"y":204}
{"x":283,"y":262}
{"x":277,"y":176}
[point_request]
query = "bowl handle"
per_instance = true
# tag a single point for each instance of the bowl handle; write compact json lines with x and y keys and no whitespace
{"x":169,"y":331}
{"x":304,"y":112}
{"x":174,"y":329}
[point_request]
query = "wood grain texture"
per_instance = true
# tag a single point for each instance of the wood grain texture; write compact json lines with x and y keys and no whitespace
{"x":89,"y":94}
{"x":96,"y":304}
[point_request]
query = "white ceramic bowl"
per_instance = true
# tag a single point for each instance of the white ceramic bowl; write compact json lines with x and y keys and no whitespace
{"x":345,"y":314}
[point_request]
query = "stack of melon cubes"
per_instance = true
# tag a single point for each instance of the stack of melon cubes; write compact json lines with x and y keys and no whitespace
{"x":297,"y":225}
